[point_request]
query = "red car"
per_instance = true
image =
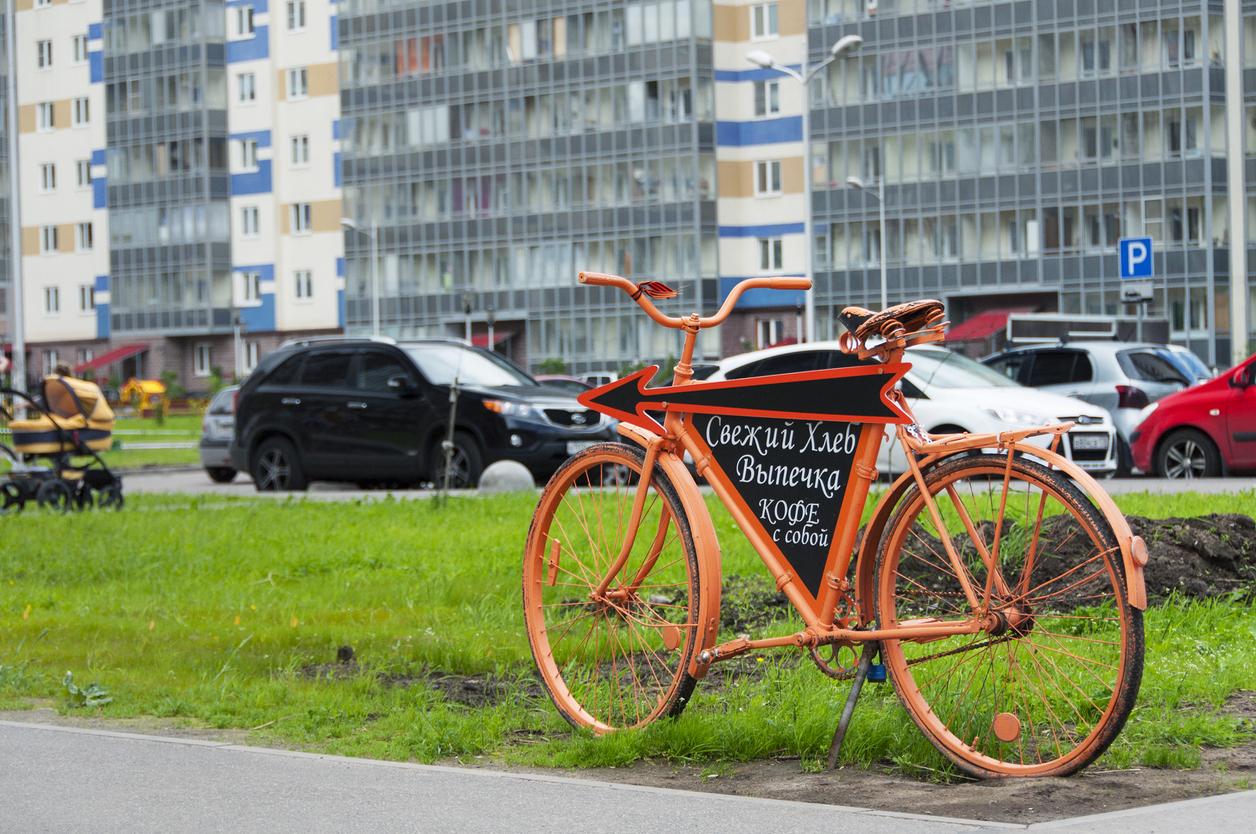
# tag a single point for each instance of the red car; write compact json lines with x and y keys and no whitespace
{"x":1202,"y":431}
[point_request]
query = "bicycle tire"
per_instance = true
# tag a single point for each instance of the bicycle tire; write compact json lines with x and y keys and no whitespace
{"x":646,"y":679}
{"x":1018,"y":678}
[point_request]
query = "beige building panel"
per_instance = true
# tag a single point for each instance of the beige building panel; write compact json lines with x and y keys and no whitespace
{"x":61,"y":113}
{"x":736,"y":178}
{"x":65,"y":238}
{"x":324,"y":217}
{"x":732,"y":23}
{"x":26,"y":115}
{"x":321,"y":80}
{"x":30,"y":240}
{"x":27,"y":5}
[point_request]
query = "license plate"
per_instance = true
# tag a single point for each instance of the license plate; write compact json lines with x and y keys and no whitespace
{"x":1090,"y":442}
{"x":574,"y":446}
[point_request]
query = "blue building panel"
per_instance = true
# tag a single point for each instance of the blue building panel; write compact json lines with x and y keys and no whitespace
{"x":259,"y":6}
{"x":100,"y":193}
{"x":340,"y":293}
{"x":259,"y":318}
{"x":335,"y":164}
{"x":96,"y":67}
{"x":255,"y":48}
{"x":335,"y":34}
{"x":759,"y":132}
{"x":756,"y":74}
{"x":253,"y":182}
{"x":761,"y":298}
{"x":765,"y":230}
{"x":102,"y":307}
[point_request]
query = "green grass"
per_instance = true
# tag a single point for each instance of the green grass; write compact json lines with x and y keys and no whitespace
{"x":225,"y":613}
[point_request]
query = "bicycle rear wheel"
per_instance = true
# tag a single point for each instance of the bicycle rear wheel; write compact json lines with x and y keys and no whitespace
{"x":1048,"y":683}
{"x":616,"y":659}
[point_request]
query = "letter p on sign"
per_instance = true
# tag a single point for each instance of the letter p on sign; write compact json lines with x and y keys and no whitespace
{"x":1136,"y":257}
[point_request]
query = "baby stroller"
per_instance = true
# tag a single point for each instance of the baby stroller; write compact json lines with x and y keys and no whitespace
{"x":68,"y":425}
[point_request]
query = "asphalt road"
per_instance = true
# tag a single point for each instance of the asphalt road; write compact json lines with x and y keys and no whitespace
{"x":197,"y":482}
{"x":69,"y":779}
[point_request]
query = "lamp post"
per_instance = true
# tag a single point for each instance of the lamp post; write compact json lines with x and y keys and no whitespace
{"x":17,"y":305}
{"x":373,"y":236}
{"x":492,"y":321}
{"x":803,"y":75}
{"x":858,"y":184}
{"x":468,"y":304}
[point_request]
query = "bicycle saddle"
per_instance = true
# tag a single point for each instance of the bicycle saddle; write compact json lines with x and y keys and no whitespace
{"x":912,"y":315}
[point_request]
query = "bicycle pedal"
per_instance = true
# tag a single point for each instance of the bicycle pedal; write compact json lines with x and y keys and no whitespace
{"x":876,"y":673}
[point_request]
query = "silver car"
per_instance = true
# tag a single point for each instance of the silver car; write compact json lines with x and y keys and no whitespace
{"x":216,"y":429}
{"x":1122,"y":377}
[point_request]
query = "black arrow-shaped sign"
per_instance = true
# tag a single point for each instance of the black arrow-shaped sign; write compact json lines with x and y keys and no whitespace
{"x":856,"y":394}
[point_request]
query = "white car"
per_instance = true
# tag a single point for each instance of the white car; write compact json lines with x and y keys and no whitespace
{"x":951,"y":393}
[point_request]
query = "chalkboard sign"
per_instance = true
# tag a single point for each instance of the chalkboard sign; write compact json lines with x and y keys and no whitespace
{"x":791,"y":475}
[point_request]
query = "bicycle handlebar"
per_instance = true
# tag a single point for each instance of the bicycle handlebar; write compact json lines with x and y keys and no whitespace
{"x":771,"y":283}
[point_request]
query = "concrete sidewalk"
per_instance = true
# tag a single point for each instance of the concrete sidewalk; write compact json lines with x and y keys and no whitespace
{"x":62,"y":778}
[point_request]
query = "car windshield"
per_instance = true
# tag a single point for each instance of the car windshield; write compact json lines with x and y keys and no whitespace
{"x":221,"y":403}
{"x":944,"y":369}
{"x":441,"y":363}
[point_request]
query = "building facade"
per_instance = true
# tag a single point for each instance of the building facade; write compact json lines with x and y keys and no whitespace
{"x":179,"y":183}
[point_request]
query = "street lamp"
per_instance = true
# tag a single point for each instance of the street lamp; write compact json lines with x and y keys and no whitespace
{"x":373,"y":236}
{"x":803,"y":75}
{"x":858,"y":184}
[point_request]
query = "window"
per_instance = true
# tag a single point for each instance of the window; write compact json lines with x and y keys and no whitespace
{"x":771,"y":252}
{"x":375,"y":368}
{"x":202,"y":355}
{"x":84,"y":355}
{"x":767,"y":98}
{"x":80,"y":49}
{"x":1054,"y":367}
{"x":42,"y":4}
{"x":246,"y":87}
{"x":52,"y":300}
{"x":767,"y":178}
{"x":242,"y":22}
{"x":82,"y":111}
{"x":298,"y":82}
{"x":296,"y":15}
{"x":83,"y":237}
{"x":83,"y":173}
{"x":45,"y":117}
{"x":47,"y":240}
{"x":48,"y":177}
{"x":248,"y":154}
{"x":87,"y":304}
{"x":251,"y":352}
{"x":300,"y":150}
{"x":300,"y":217}
{"x":43,"y":54}
{"x":763,"y":21}
{"x":304,"y":280}
{"x":51,"y":360}
{"x":327,"y":369}
{"x":250,"y":221}
{"x":250,"y":287}
{"x":768,"y":332}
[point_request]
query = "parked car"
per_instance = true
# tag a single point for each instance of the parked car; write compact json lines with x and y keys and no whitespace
{"x":566,"y":383}
{"x":951,"y":393}
{"x":1201,"y":432}
{"x":595,"y":379}
{"x":375,"y":411}
{"x":217,"y":427}
{"x":1188,"y":363}
{"x":1122,"y":377}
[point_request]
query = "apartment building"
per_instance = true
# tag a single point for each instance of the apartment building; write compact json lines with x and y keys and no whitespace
{"x":179,"y":183}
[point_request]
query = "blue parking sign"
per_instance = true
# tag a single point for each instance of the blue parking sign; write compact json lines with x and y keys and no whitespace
{"x":1135,"y":257}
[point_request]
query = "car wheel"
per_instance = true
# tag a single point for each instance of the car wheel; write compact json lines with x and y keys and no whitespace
{"x":220,"y":474}
{"x":1187,"y":453}
{"x":465,"y":463}
{"x":276,"y":467}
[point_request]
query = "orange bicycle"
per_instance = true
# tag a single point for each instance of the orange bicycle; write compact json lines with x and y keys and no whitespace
{"x":998,"y":583}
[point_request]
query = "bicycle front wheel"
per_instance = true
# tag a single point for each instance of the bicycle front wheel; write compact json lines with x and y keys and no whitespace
{"x":1047,"y":684}
{"x":619,"y":657}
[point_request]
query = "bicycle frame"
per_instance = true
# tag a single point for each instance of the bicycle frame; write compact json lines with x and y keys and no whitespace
{"x":819,"y":612}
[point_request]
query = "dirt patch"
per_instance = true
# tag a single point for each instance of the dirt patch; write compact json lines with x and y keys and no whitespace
{"x":468,"y":690}
{"x":1207,"y":556}
{"x":1013,"y":800}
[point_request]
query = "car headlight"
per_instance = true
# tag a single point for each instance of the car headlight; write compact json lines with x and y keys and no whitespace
{"x":511,"y":408}
{"x":1146,"y":412}
{"x":1017,"y":418}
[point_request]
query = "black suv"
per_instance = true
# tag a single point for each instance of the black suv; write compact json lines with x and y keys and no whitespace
{"x":373,"y":411}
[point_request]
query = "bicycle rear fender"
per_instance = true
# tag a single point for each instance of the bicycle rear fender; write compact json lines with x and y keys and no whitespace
{"x":705,"y":542}
{"x":1133,"y":548}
